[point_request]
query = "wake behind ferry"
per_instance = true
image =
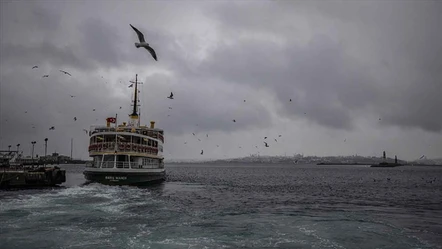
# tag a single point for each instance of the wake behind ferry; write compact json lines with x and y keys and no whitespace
{"x":126,"y":154}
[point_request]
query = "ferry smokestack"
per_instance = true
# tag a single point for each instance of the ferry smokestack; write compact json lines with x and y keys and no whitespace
{"x":152,"y":124}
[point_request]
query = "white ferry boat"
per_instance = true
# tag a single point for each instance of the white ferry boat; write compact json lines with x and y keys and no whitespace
{"x":127,"y":153}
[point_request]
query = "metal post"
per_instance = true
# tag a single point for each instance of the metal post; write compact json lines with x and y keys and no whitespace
{"x":72,"y":141}
{"x":32,"y":157}
{"x":9,"y":148}
{"x":46,"y":150}
{"x":18,"y":147}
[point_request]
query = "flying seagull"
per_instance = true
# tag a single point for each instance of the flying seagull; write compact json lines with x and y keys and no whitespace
{"x":34,"y":67}
{"x":266,"y":144}
{"x":52,"y":128}
{"x":202,"y":152}
{"x":45,"y":76}
{"x":85,"y":130}
{"x":65,"y":72}
{"x":143,"y":43}
{"x":75,"y":118}
{"x":171,"y":95}
{"x":72,"y":96}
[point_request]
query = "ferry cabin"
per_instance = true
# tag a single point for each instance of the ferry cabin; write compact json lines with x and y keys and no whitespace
{"x":126,"y":147}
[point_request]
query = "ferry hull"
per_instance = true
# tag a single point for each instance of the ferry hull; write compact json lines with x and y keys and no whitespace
{"x":125,"y":178}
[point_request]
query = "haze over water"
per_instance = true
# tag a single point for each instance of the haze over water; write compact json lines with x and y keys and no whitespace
{"x":234,"y":206}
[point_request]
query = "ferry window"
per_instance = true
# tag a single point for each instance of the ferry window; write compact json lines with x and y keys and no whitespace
{"x":109,"y":138}
{"x":150,"y":142}
{"x":136,"y":140}
{"x":108,"y":158}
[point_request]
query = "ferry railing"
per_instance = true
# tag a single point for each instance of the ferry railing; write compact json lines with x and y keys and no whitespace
{"x":108,"y":164}
{"x":123,"y":147}
{"x":124,"y":165}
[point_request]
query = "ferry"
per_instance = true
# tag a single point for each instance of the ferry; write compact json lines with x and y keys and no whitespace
{"x":127,"y":153}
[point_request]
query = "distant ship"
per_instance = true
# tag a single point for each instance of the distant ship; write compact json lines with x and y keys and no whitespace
{"x":126,"y":154}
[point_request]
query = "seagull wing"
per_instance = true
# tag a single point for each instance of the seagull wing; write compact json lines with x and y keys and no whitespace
{"x":140,"y":35}
{"x":152,"y":52}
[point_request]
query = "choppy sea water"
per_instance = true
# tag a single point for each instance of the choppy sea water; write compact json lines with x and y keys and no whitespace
{"x":234,"y":206}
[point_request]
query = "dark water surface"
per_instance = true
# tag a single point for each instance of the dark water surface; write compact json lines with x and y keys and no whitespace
{"x":234,"y":206}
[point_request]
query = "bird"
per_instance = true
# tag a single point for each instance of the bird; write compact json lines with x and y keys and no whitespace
{"x":265,"y":137}
{"x":171,"y":95}
{"x":199,"y":139}
{"x":234,"y":121}
{"x":120,"y":107}
{"x":266,"y":144}
{"x":207,"y":135}
{"x":276,"y":140}
{"x":65,"y":72}
{"x":217,"y":145}
{"x":85,"y":130}
{"x":72,"y":96}
{"x":75,"y":118}
{"x":290,"y":100}
{"x":345,"y":140}
{"x":279,"y":136}
{"x":131,"y":85}
{"x":244,"y":100}
{"x":34,"y":67}
{"x":143,"y":43}
{"x":93,"y":110}
{"x":202,"y":152}
{"x":52,"y":128}
{"x":170,"y":108}
{"x":185,"y":142}
{"x":193,"y":133}
{"x":45,"y":76}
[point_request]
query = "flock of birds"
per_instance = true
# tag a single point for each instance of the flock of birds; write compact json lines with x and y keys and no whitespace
{"x":142,"y":43}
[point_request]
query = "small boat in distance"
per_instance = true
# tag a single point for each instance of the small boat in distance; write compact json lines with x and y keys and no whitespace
{"x":127,"y":153}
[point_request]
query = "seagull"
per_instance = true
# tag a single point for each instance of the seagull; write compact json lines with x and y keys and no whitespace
{"x":45,"y":76}
{"x":244,"y":100}
{"x":85,"y":130}
{"x":75,"y":118}
{"x":170,"y":108}
{"x":202,"y":152}
{"x":34,"y":67}
{"x":276,"y":140}
{"x":120,"y":107}
{"x":72,"y":96}
{"x":290,"y":100}
{"x":199,"y":139}
{"x":93,"y":110}
{"x":143,"y":43}
{"x":131,"y":85}
{"x":52,"y":128}
{"x":65,"y":72}
{"x":234,"y":121}
{"x":279,"y":136}
{"x":265,"y":137}
{"x":171,"y":95}
{"x":193,"y":133}
{"x":266,"y":144}
{"x":207,"y":135}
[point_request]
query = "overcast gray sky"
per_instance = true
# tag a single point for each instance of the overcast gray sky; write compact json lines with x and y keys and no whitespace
{"x":363,"y":76}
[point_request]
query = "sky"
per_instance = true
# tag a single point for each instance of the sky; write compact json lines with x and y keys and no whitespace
{"x":323,"y":78}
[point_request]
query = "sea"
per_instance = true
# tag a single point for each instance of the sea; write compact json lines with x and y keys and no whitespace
{"x":233,"y":206}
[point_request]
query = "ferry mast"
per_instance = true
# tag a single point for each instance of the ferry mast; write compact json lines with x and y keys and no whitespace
{"x":134,"y":116}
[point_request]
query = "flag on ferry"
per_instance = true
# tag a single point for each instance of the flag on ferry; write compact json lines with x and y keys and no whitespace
{"x":111,"y":120}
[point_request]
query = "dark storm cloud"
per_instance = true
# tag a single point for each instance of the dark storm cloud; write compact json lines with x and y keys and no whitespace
{"x":318,"y":77}
{"x":322,"y":78}
{"x":41,"y":54}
